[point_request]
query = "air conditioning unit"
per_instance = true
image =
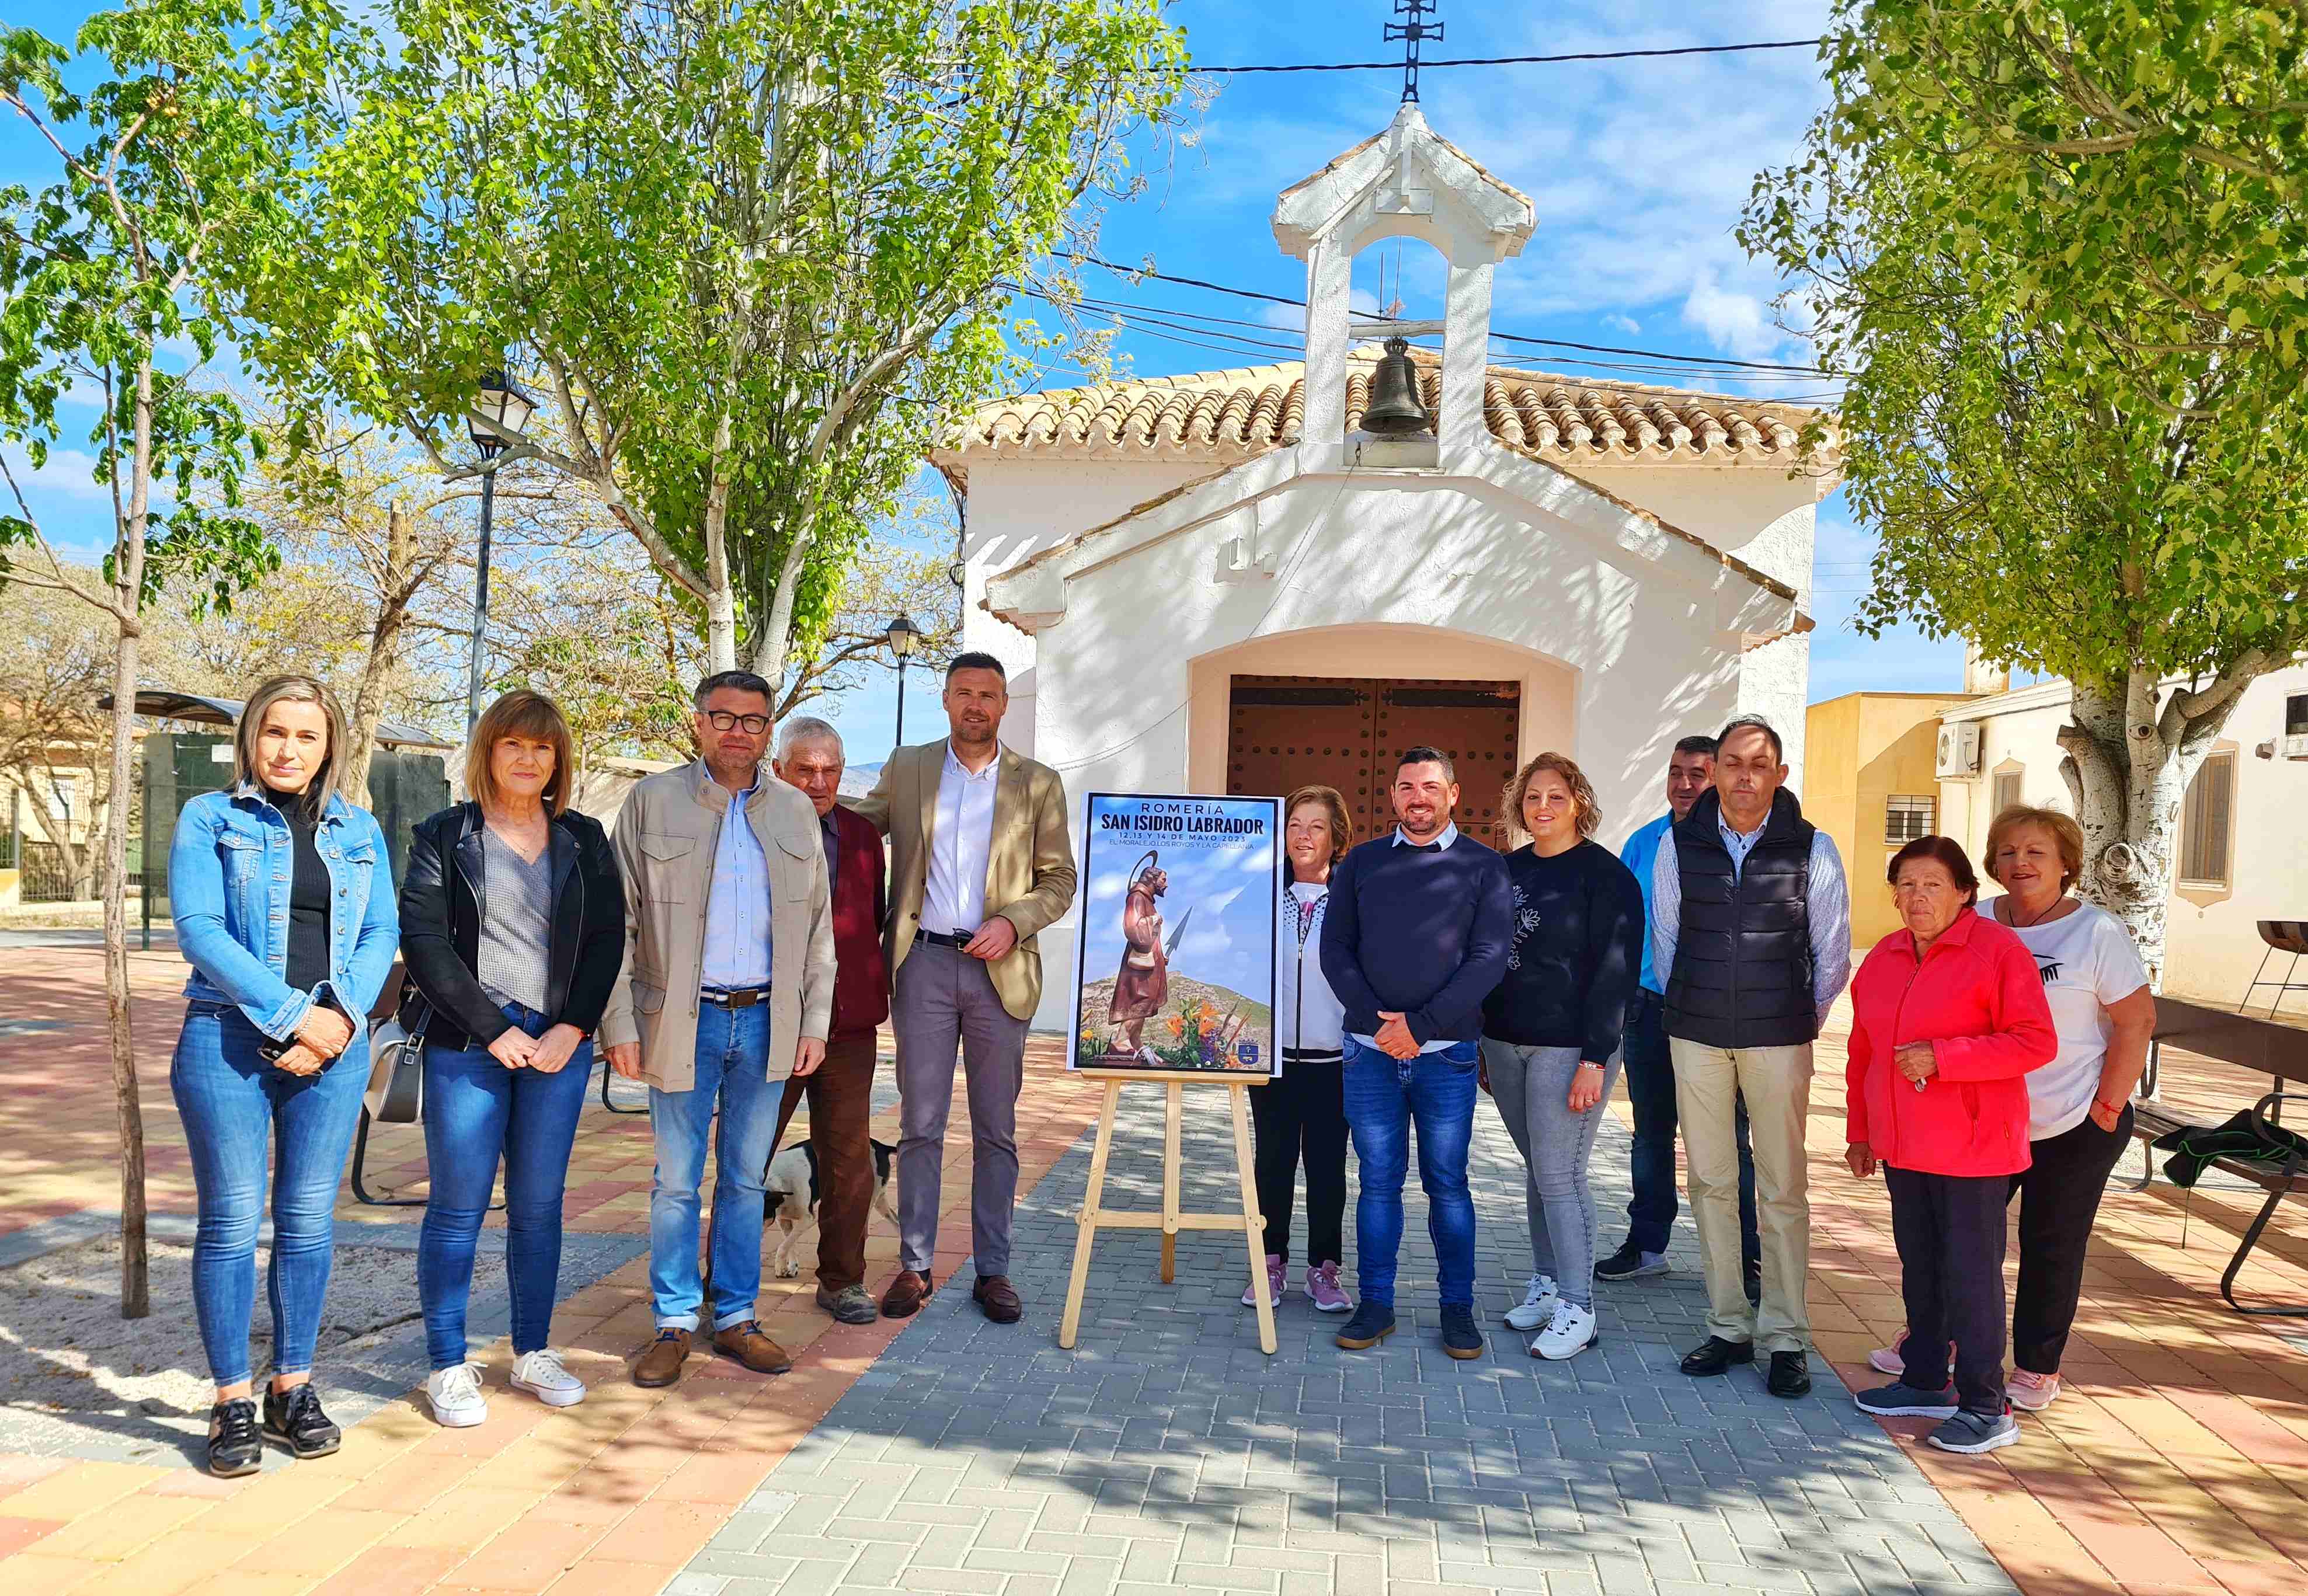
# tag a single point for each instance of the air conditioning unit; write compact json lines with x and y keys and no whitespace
{"x":1958,"y":749}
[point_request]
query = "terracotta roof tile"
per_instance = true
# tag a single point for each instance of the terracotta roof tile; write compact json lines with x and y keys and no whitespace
{"x":1234,"y":415}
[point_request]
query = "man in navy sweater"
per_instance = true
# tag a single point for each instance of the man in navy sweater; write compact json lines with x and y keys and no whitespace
{"x":1415,"y":938}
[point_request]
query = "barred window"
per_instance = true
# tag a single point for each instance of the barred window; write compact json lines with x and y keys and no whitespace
{"x":1907,"y":819}
{"x":2209,"y":820}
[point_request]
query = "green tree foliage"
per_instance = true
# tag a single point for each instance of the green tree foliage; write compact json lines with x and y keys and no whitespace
{"x":747,"y":255}
{"x":101,"y":270}
{"x":2048,"y":243}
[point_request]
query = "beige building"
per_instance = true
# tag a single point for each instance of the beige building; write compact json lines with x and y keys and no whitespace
{"x":1871,"y":783}
{"x":2242,"y":852}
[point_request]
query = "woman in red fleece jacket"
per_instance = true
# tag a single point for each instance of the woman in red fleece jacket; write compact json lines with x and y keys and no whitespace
{"x":1948,"y":1017}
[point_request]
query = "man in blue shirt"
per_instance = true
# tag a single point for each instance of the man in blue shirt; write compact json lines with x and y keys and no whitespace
{"x":1650,"y":1072}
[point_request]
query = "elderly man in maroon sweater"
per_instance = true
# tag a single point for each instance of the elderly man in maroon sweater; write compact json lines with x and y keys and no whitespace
{"x":841,"y":1092}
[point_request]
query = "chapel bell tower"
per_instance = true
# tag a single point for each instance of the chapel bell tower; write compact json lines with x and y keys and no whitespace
{"x":1407,"y":182}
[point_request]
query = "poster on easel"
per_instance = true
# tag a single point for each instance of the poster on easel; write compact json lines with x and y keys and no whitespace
{"x":1173,"y":968}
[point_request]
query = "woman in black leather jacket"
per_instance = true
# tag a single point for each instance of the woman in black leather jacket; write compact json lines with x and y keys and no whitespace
{"x":512,"y":928}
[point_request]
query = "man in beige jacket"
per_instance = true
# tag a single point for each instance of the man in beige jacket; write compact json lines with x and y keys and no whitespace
{"x":980,"y":861}
{"x":727,"y":989}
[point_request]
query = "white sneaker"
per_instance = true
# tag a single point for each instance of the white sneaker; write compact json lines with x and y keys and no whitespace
{"x":455,"y":1394}
{"x":1571,"y":1332}
{"x":1537,"y":1304}
{"x":539,"y":1373}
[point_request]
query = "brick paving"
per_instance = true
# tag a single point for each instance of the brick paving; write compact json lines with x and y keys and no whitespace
{"x":1167,"y":1451}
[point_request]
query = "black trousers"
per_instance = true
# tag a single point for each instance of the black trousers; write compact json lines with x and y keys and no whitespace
{"x":2059,"y":1201}
{"x":1302,"y":1115}
{"x":1949,"y":1229}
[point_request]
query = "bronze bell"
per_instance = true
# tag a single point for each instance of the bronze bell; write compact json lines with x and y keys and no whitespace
{"x":1394,"y":410}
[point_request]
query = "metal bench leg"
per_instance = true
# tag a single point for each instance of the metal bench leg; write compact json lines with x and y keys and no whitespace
{"x":606,"y":1073}
{"x":2235,"y":1264}
{"x":360,"y":1160}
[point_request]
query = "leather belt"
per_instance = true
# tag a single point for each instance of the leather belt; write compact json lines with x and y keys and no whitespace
{"x":743,"y":997}
{"x":953,"y":939}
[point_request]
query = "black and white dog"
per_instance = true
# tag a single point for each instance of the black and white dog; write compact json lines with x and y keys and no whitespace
{"x":793,"y":1195}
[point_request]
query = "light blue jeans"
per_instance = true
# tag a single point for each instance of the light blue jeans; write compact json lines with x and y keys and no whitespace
{"x":237,"y":1109}
{"x":1532,"y":1087}
{"x":733,"y":1048}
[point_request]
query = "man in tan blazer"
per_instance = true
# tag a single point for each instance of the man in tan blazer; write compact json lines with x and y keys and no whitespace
{"x":727,"y":989}
{"x":980,"y":860}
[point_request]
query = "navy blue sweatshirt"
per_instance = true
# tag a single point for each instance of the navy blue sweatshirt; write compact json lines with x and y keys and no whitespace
{"x":1575,"y":955}
{"x":1419,"y":933}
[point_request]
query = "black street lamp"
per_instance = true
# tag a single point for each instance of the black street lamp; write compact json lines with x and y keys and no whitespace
{"x":904,"y":637}
{"x":498,"y":417}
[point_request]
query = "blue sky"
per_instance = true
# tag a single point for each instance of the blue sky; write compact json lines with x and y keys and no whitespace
{"x":1638,"y":170}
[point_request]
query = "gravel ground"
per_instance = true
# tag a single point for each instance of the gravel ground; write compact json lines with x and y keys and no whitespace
{"x":74,"y":1372}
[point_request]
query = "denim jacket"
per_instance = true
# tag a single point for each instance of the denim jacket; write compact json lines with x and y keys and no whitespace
{"x":229,"y":880}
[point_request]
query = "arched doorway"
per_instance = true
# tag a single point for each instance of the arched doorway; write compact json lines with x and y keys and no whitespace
{"x":1337,"y":704}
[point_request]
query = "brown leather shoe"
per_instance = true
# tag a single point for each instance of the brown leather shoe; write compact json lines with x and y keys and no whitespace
{"x":994,"y":1294}
{"x":907,"y":1294}
{"x":747,"y":1344}
{"x":661,"y":1360}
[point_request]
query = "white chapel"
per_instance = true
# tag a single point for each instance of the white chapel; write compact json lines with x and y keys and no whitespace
{"x":1223,"y":582}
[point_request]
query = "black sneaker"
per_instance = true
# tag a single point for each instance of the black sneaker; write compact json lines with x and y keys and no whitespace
{"x":1373,"y":1323}
{"x":294,"y":1418}
{"x":234,"y":1447}
{"x":1631,"y":1262}
{"x":1460,"y":1339}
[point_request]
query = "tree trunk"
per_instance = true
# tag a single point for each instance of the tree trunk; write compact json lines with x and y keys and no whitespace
{"x":2130,"y":759}
{"x":776,"y":627}
{"x":394,"y":590}
{"x":721,"y":597}
{"x":127,"y":588}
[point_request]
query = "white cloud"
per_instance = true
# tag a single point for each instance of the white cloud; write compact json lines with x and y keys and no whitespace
{"x":1619,"y":323}
{"x":69,"y":475}
{"x":1738,"y":322}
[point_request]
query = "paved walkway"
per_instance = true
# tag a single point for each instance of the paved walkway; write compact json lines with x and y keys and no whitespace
{"x":1166,"y":1452}
{"x":945,"y":1453}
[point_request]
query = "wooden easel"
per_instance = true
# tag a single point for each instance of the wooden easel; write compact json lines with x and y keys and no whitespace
{"x":1169,"y":1221}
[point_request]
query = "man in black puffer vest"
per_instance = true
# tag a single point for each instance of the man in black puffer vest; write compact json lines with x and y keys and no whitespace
{"x":1752,"y":921}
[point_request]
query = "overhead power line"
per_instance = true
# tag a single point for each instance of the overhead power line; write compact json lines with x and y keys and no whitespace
{"x":1772,"y":368}
{"x":1396,"y":65}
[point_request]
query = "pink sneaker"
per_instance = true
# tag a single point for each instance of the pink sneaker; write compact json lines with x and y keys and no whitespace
{"x":2031,"y":1391}
{"x":1893,"y":1360}
{"x":1322,"y":1286}
{"x":1273,"y":1282}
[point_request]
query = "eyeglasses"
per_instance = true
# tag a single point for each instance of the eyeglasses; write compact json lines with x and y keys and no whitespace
{"x":721,"y":720}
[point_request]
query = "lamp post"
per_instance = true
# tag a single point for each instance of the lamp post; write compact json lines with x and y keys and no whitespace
{"x":904,"y":637}
{"x":499,"y":415}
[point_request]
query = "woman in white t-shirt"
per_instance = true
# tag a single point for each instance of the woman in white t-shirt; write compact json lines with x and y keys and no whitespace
{"x":2080,"y":1104}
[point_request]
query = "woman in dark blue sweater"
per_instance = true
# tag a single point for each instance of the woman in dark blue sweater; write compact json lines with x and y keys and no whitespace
{"x":1551,"y":1032}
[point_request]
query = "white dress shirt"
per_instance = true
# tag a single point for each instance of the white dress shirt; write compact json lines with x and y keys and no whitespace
{"x":1440,"y":844}
{"x":962,"y":837}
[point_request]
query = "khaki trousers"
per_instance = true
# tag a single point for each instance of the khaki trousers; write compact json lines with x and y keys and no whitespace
{"x":1776,"y":1082}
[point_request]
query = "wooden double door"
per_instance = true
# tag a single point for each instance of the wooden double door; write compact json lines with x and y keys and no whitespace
{"x":1289,"y":732}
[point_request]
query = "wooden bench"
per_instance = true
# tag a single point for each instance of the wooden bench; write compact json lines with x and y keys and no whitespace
{"x":2262,"y":1046}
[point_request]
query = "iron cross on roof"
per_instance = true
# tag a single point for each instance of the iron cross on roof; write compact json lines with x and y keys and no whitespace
{"x":1412,"y":33}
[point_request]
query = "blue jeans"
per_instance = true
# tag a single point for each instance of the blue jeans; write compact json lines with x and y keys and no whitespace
{"x":1384,"y":1098}
{"x":1651,"y":1160}
{"x":237,"y":1109}
{"x":476,"y":1113}
{"x":733,"y":1047}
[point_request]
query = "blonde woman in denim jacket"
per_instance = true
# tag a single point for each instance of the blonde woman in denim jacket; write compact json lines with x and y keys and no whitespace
{"x":282,"y":896}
